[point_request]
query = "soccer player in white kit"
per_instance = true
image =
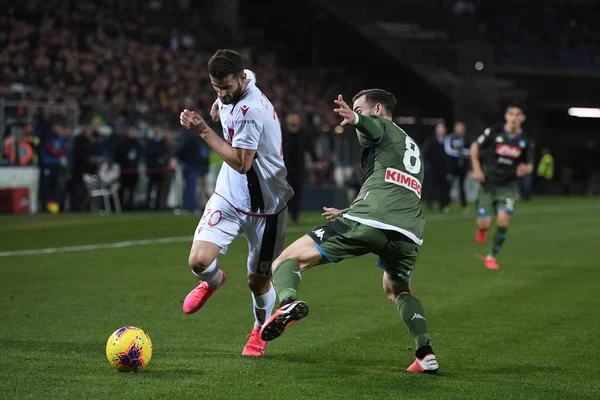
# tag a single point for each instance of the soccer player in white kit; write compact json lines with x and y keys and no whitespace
{"x":251,"y":194}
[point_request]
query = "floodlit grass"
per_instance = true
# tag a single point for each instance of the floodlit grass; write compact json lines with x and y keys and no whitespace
{"x":529,"y":330}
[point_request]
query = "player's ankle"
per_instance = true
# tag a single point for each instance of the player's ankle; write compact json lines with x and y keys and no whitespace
{"x":286,"y":302}
{"x":423,"y":351}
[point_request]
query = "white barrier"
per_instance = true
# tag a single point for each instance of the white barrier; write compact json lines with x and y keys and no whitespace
{"x":21,"y":177}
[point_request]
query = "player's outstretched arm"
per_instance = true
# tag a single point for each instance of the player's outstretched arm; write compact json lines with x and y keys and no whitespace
{"x":238,"y":159}
{"x":369,"y":127}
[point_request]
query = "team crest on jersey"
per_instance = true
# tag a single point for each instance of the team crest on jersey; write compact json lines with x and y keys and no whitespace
{"x":403,"y":179}
{"x":508,"y":151}
{"x":245,"y":109}
{"x":522,"y":144}
{"x":499,"y":139}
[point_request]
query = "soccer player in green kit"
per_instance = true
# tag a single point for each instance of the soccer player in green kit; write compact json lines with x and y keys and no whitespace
{"x":385,"y":219}
{"x":499,"y":156}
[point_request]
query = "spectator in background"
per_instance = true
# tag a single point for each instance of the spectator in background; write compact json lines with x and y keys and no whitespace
{"x":21,"y":147}
{"x":128,"y":156}
{"x":458,"y":150}
{"x":296,"y":146}
{"x":214,"y":166}
{"x":84,"y":162}
{"x":324,"y":170}
{"x":545,"y":171}
{"x":121,"y":66}
{"x":100,"y":146}
{"x":54,"y":163}
{"x":590,"y":160}
{"x":170,"y":170}
{"x":194,"y":156}
{"x":353,"y":182}
{"x":436,"y":162}
{"x":175,"y":41}
{"x":157,"y":163}
{"x":463,"y":7}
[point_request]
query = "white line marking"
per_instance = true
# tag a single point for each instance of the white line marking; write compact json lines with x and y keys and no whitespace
{"x":99,"y":246}
{"x":293,"y":229}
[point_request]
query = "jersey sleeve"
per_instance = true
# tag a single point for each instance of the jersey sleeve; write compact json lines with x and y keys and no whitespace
{"x":370,"y":130}
{"x":448,"y":147}
{"x":484,"y":139}
{"x":528,"y":154}
{"x":247,"y":126}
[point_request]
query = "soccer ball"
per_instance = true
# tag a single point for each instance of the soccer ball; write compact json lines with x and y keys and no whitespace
{"x":129,"y":349}
{"x":53,"y":207}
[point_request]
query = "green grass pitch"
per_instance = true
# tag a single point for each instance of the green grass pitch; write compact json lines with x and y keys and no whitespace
{"x":527,"y":331}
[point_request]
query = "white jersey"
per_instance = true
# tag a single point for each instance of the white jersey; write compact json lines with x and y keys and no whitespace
{"x":252,"y":124}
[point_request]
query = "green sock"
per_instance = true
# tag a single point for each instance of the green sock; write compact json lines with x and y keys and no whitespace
{"x":286,"y":279}
{"x":498,"y":240}
{"x":413,"y":315}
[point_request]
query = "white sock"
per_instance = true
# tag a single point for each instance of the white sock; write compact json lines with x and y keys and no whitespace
{"x":211,"y":275}
{"x":263,"y":306}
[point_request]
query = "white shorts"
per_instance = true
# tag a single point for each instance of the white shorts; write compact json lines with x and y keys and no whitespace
{"x":221,"y":224}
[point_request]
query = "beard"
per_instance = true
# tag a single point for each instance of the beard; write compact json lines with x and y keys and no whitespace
{"x":234,"y":97}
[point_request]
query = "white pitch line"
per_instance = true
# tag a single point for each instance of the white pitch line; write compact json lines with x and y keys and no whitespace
{"x":99,"y":246}
{"x":293,"y":229}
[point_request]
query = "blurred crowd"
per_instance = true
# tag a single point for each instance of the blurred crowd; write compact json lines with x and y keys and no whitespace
{"x":98,"y":86}
{"x":116,"y":63}
{"x":142,"y":167}
{"x":131,"y":68}
{"x":549,"y":34}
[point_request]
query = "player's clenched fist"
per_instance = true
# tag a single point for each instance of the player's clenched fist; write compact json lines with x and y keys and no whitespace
{"x":522,"y":170}
{"x":478,"y":176}
{"x":193,"y":122}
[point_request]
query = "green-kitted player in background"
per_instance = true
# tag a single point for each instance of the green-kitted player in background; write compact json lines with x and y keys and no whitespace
{"x":385,"y":219}
{"x":499,"y":156}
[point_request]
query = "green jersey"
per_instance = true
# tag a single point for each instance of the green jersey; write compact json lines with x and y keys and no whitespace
{"x":500,"y":154}
{"x":390,"y":195}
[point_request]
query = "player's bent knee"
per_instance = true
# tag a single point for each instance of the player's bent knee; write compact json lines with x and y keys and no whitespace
{"x":200,"y":260}
{"x":281,"y":259}
{"x":484,"y":223}
{"x":503,"y":219}
{"x":291,"y":253}
{"x":303,"y":261}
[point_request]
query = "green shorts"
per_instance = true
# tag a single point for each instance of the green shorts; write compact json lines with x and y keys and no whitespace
{"x":343,"y":238}
{"x":492,"y":198}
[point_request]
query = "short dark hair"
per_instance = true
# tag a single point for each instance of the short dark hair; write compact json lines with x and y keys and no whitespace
{"x":224,"y":63}
{"x":516,"y":104}
{"x":387,"y":100}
